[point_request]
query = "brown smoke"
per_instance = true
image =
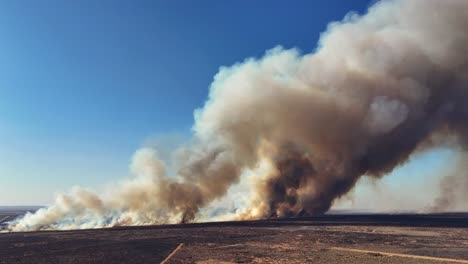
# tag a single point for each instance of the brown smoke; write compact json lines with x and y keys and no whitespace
{"x":453,"y":188}
{"x":376,"y":89}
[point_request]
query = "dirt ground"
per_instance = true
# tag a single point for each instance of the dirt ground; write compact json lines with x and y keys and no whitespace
{"x":327,"y":239}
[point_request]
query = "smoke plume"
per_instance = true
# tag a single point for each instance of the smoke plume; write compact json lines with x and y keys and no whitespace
{"x":303,"y":127}
{"x":453,"y":194}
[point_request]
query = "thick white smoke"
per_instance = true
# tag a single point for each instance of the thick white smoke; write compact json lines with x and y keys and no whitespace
{"x":299,"y":130}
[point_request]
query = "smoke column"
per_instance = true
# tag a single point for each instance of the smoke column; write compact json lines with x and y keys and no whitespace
{"x":305,"y":127}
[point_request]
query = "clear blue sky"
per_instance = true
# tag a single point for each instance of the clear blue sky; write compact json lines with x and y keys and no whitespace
{"x":84,"y":83}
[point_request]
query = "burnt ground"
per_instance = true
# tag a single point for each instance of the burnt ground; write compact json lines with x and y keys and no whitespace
{"x":324,"y":239}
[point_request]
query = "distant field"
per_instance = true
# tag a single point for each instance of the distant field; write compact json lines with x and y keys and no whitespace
{"x":8,"y":213}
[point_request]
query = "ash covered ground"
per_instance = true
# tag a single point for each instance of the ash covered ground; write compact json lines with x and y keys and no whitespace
{"x":428,"y":238}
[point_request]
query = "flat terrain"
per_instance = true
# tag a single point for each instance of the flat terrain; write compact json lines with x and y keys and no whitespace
{"x":347,"y":239}
{"x":8,"y":213}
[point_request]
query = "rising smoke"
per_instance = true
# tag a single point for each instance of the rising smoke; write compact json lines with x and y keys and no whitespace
{"x":304,"y":128}
{"x":453,"y":194}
